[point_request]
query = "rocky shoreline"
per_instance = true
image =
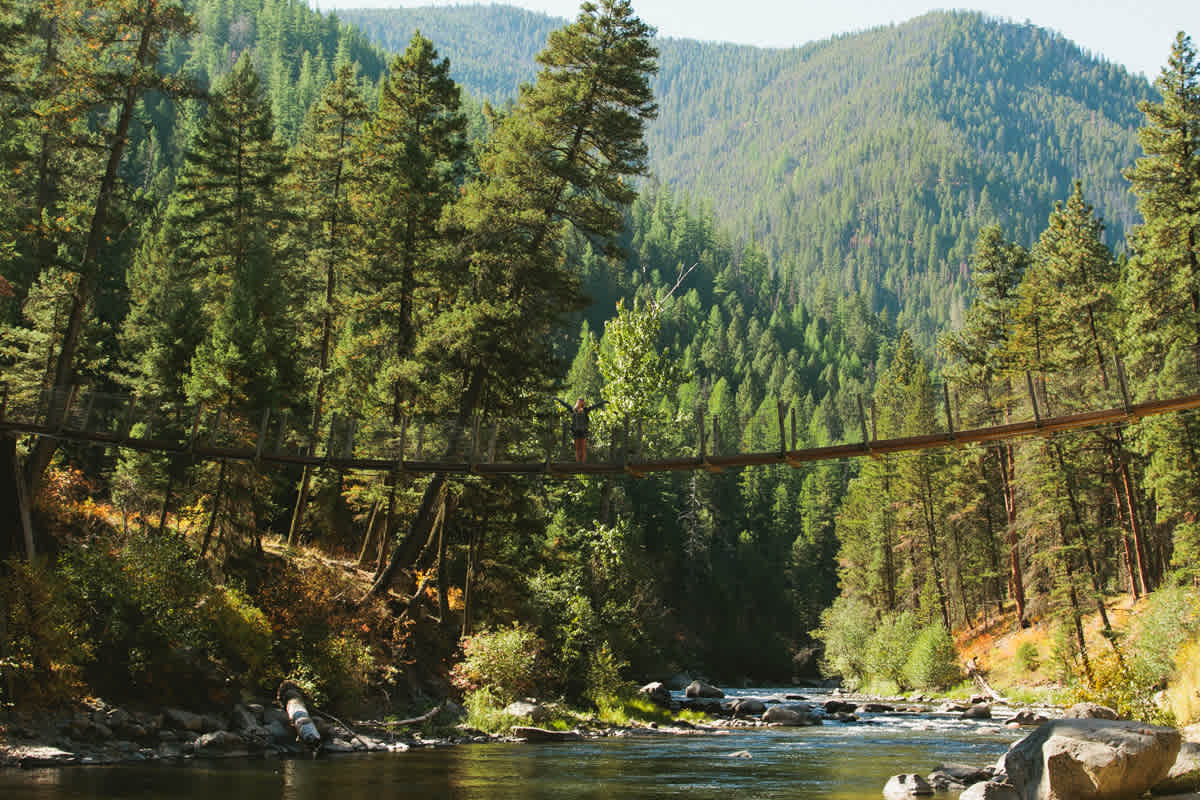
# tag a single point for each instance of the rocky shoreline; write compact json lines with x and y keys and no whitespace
{"x":97,"y":733}
{"x":1082,"y":741}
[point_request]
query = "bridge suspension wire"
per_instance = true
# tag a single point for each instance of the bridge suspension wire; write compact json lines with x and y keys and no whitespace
{"x":1005,"y":407}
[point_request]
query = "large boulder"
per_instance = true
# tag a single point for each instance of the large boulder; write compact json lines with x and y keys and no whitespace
{"x":702,"y":689}
{"x":658,"y":693}
{"x":1089,"y":759}
{"x":1184,"y":776}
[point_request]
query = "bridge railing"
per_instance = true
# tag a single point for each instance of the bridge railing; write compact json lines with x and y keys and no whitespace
{"x":543,"y":436}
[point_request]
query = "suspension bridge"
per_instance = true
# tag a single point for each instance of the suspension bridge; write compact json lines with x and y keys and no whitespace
{"x":534,"y":445}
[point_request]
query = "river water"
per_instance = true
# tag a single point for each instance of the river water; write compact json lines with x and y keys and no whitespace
{"x":834,"y":761}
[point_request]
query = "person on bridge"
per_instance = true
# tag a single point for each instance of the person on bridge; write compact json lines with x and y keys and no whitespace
{"x":579,"y":424}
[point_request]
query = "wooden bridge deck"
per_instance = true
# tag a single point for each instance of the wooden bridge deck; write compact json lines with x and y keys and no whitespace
{"x":196,"y":449}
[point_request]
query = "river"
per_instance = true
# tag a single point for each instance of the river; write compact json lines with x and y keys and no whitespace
{"x":834,"y":761}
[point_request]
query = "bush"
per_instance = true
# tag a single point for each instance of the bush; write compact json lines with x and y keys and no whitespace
{"x":142,"y":608}
{"x":933,"y":662}
{"x":604,"y":681}
{"x":43,"y":653}
{"x":334,"y":670}
{"x":846,"y":628}
{"x":1148,"y":659}
{"x":1183,"y":693}
{"x":1027,"y":657}
{"x":506,"y":662}
{"x":889,"y":647}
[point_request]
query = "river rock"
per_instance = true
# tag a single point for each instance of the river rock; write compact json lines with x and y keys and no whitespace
{"x":956,"y":777}
{"x":218,"y":742}
{"x":702,"y":689}
{"x":1090,"y":711}
{"x":525,"y":708}
{"x":791,"y":715}
{"x":542,"y":735}
{"x":1026,"y":717}
{"x":279,"y":733}
{"x":978,"y":711}
{"x":705,"y":706}
{"x":658,"y":693}
{"x":678,"y":682}
{"x":1184,"y":775}
{"x":899,"y":787}
{"x":878,"y":708}
{"x":748,"y":705}
{"x":990,"y":790}
{"x":839,"y":706}
{"x":46,"y":757}
{"x":1089,"y":759}
{"x":184,"y":720}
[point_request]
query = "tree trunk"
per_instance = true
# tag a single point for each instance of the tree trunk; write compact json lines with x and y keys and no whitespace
{"x":1016,"y":579}
{"x":368,"y":535}
{"x":85,"y":287}
{"x":212,"y":519}
{"x":16,"y":525}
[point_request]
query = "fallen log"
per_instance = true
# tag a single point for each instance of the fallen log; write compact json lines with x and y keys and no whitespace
{"x":294,"y":701}
{"x":976,"y":675}
{"x":428,"y":715}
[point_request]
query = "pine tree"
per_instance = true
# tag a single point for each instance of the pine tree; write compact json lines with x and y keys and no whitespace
{"x":322,"y":174}
{"x":114,"y":76}
{"x":412,"y":156}
{"x":561,"y":158}
{"x":981,"y":357}
{"x":1161,"y":292}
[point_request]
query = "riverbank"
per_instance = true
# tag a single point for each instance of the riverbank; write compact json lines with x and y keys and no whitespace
{"x":96,"y":733}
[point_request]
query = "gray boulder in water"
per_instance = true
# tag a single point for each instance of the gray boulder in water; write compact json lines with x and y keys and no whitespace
{"x":1089,"y":759}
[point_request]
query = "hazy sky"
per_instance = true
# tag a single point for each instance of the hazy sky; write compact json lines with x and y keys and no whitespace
{"x":1134,"y":33}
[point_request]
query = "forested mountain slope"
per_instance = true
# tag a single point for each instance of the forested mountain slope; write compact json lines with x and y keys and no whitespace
{"x":866,"y":163}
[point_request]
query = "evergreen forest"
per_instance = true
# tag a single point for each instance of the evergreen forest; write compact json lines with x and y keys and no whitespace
{"x":252,"y":211}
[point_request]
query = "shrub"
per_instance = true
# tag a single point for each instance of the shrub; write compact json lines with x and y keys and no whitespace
{"x":506,"y":662}
{"x":933,"y":662}
{"x":604,"y":681}
{"x":846,"y":627}
{"x":1027,"y":658}
{"x":141,"y":607}
{"x":889,"y":647}
{"x":240,"y":630}
{"x":1183,"y":693}
{"x":43,"y":652}
{"x":333,"y":670}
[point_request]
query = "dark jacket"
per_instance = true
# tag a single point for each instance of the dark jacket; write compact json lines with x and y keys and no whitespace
{"x":579,"y":419}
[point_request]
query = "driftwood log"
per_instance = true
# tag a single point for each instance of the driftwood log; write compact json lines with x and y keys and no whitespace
{"x":976,"y":675}
{"x":421,"y":720}
{"x":295,"y":702}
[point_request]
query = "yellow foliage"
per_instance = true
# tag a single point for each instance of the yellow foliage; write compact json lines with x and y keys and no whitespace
{"x":1183,"y":693}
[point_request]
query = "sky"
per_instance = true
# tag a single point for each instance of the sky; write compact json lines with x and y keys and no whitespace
{"x":1136,"y":34}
